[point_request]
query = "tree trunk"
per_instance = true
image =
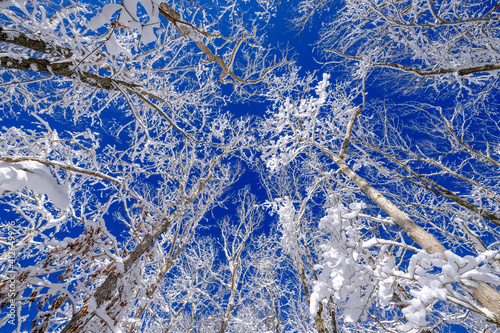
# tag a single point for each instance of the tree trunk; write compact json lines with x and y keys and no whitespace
{"x":484,"y":294}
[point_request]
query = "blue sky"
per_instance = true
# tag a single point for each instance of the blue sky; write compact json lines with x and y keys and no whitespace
{"x":308,"y":59}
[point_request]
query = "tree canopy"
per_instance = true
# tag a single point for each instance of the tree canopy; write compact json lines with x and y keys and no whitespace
{"x":249,"y":166}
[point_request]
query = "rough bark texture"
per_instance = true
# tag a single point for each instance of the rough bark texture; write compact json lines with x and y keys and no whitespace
{"x":106,"y":289}
{"x":63,"y":69}
{"x":20,"y":39}
{"x":441,"y":190}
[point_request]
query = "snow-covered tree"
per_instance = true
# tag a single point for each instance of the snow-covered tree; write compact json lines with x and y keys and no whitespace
{"x":117,"y":156}
{"x":156,"y":169}
{"x":365,"y":269}
{"x":426,"y":38}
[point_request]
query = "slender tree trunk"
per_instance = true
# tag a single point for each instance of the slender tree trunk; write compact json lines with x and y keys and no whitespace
{"x":166,"y":267}
{"x":484,"y":294}
{"x":331,"y":305}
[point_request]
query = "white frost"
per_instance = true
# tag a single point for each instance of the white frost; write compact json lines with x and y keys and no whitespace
{"x":101,"y":313}
{"x":104,"y":17}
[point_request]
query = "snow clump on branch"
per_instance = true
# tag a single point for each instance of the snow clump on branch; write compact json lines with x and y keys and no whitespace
{"x":34,"y":176}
